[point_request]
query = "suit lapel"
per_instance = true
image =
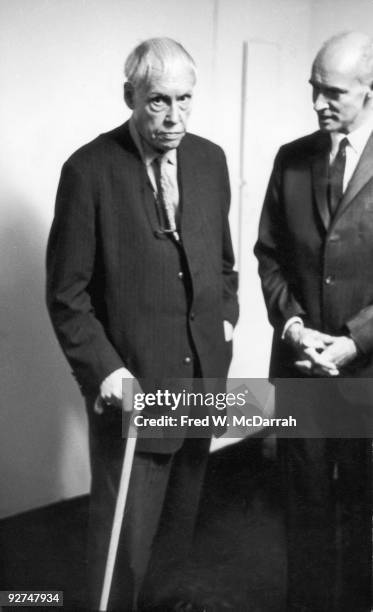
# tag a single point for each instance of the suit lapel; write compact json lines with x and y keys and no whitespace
{"x":319,"y":170}
{"x":137,"y":174}
{"x":150,"y":203}
{"x":362,"y":174}
{"x":189,"y":188}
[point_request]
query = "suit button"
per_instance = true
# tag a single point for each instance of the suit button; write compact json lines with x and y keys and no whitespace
{"x":187,"y":360}
{"x":180,"y":275}
{"x":334,"y":238}
{"x":192,"y":316}
{"x":329,"y":280}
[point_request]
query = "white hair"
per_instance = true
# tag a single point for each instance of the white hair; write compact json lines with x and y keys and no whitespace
{"x":154,"y":57}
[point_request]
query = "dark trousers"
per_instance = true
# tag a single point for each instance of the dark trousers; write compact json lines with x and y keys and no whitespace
{"x":327,"y":489}
{"x":159,"y":519}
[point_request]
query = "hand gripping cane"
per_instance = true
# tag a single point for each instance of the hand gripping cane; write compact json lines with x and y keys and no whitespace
{"x":131,"y":435}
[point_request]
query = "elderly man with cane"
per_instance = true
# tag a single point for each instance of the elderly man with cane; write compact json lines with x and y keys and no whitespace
{"x":141,"y":284}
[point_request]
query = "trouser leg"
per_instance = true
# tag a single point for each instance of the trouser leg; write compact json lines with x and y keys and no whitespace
{"x":354,"y":525}
{"x":327,"y":490}
{"x":309,"y":515}
{"x":148,"y":483}
{"x":174,"y":537}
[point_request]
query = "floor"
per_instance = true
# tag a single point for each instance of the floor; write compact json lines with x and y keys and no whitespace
{"x":238,"y":562}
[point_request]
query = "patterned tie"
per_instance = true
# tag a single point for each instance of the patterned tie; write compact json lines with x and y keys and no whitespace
{"x":336,"y":174}
{"x":167,"y":192}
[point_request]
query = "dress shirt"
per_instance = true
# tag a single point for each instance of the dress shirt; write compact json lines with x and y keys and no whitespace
{"x":148,"y":155}
{"x":356,"y":144}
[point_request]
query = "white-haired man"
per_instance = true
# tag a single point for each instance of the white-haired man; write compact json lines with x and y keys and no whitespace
{"x":315,"y":252}
{"x":141,"y":283}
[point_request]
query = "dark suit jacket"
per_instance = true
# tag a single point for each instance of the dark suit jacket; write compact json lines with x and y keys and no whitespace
{"x":119,"y":291}
{"x":309,"y":266}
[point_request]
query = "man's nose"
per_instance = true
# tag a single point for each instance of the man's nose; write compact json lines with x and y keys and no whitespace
{"x":320,"y":102}
{"x":173,"y":113}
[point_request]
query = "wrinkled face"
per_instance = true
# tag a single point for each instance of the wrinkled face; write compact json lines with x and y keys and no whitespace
{"x":340,"y":99}
{"x":162,"y":107}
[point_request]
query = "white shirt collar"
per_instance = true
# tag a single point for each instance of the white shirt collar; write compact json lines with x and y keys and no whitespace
{"x":357,"y":139}
{"x":148,"y":155}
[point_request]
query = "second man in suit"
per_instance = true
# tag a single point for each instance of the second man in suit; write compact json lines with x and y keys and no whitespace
{"x":315,"y":252}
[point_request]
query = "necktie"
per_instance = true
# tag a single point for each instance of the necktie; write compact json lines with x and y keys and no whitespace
{"x":336,"y":174}
{"x":167,"y":192}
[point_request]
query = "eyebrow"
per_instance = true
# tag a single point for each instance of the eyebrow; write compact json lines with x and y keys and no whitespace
{"x":161,"y":94}
{"x":166,"y":97}
{"x":326,"y":87}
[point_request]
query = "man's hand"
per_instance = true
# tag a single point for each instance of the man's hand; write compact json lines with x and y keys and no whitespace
{"x":312,"y":363}
{"x":341,"y":351}
{"x":301,"y":337}
{"x":111,"y":390}
{"x":310,"y":345}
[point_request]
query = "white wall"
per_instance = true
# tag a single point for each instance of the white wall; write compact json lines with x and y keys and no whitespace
{"x":61,"y":80}
{"x":277,"y":109}
{"x":332,"y":16}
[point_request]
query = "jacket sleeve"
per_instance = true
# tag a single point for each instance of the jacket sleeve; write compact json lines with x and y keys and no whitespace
{"x":71,"y":257}
{"x":272,"y":252}
{"x":360,"y":328}
{"x":230,"y":276}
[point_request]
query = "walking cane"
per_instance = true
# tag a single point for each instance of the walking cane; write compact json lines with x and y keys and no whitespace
{"x":122,"y":494}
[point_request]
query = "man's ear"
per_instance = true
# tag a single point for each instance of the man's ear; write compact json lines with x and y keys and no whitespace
{"x":129,"y":93}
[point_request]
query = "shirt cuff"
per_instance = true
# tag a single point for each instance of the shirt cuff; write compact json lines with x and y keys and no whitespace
{"x":289,"y":323}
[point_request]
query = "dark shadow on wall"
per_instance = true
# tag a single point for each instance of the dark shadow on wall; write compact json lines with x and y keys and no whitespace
{"x":43,"y":446}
